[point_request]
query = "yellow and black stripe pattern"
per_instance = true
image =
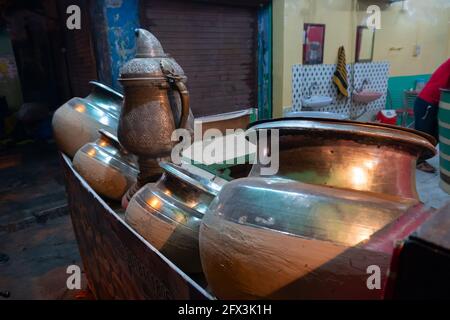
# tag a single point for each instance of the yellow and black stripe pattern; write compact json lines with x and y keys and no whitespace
{"x":340,"y":75}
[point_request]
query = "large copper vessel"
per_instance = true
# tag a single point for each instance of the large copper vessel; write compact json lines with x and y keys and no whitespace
{"x":322,"y":236}
{"x":168,"y":214}
{"x":78,"y":121}
{"x":106,"y":166}
{"x":156,"y":102}
{"x":346,"y":154}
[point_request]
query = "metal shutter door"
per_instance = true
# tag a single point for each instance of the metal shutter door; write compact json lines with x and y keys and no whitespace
{"x":215,"y":44}
{"x":79,"y":50}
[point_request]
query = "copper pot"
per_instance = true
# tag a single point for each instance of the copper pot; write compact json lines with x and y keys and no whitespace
{"x":317,"y":237}
{"x":348,"y":154}
{"x":156,"y":103}
{"x":168,"y":213}
{"x":78,"y":121}
{"x":106,"y":166}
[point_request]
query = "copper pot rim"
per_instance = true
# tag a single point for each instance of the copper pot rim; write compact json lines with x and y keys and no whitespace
{"x":390,"y":133}
{"x":106,"y":158}
{"x":171,"y":205}
{"x":93,"y":110}
{"x":430,"y":138}
{"x":192,"y":179}
{"x":104,"y":87}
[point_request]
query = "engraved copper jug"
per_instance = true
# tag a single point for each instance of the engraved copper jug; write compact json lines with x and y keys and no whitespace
{"x":156,"y":102}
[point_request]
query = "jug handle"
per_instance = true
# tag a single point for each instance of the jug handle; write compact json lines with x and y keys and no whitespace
{"x":177,"y":80}
{"x":184,"y":94}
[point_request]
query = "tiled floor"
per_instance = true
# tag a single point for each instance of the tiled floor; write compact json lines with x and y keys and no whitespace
{"x":428,"y":186}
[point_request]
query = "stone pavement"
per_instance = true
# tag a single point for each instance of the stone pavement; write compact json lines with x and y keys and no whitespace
{"x":38,"y":258}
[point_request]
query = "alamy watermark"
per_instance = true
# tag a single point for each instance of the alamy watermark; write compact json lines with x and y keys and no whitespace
{"x":374,"y":280}
{"x":73,"y":281}
{"x":373,"y":21}
{"x":73,"y":21}
{"x":234,"y":147}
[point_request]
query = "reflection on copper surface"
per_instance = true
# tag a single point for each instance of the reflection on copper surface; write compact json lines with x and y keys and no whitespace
{"x":105,"y":120}
{"x":180,"y":217}
{"x":92,"y":152}
{"x":103,"y":143}
{"x":191,"y":203}
{"x":154,"y":202}
{"x":359,"y":177}
{"x":359,"y":234}
{"x":80,"y":108}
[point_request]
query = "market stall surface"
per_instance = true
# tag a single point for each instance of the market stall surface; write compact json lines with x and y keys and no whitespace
{"x":37,"y":243}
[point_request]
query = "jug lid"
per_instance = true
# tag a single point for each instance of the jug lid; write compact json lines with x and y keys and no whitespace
{"x":147,"y":45}
{"x":149,"y":61}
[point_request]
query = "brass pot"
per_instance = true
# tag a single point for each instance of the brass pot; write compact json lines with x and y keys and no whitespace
{"x":106,"y":166}
{"x":78,"y":121}
{"x":156,"y":103}
{"x":347,"y":154}
{"x":168,"y":214}
{"x":317,"y":237}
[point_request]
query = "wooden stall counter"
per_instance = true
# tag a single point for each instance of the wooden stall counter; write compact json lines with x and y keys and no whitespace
{"x":118,"y":262}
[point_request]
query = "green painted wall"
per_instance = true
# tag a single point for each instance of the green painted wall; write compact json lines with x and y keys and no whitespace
{"x":9,"y":79}
{"x":396,"y":86}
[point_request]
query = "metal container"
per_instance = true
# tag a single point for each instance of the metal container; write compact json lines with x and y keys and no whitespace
{"x":77,"y":121}
{"x":156,"y":103}
{"x":316,"y":114}
{"x":118,"y":262}
{"x":168,"y":214}
{"x":319,"y":237}
{"x":444,"y":139}
{"x":106,"y":166}
{"x":347,"y":154}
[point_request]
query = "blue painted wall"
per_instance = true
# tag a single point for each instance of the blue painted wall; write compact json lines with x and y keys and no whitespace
{"x":113,"y":25}
{"x":122,"y":18}
{"x":265,"y":62}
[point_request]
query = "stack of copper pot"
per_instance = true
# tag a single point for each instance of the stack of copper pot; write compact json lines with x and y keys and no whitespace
{"x":319,"y":229}
{"x":89,"y":129}
{"x":85,"y":129}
